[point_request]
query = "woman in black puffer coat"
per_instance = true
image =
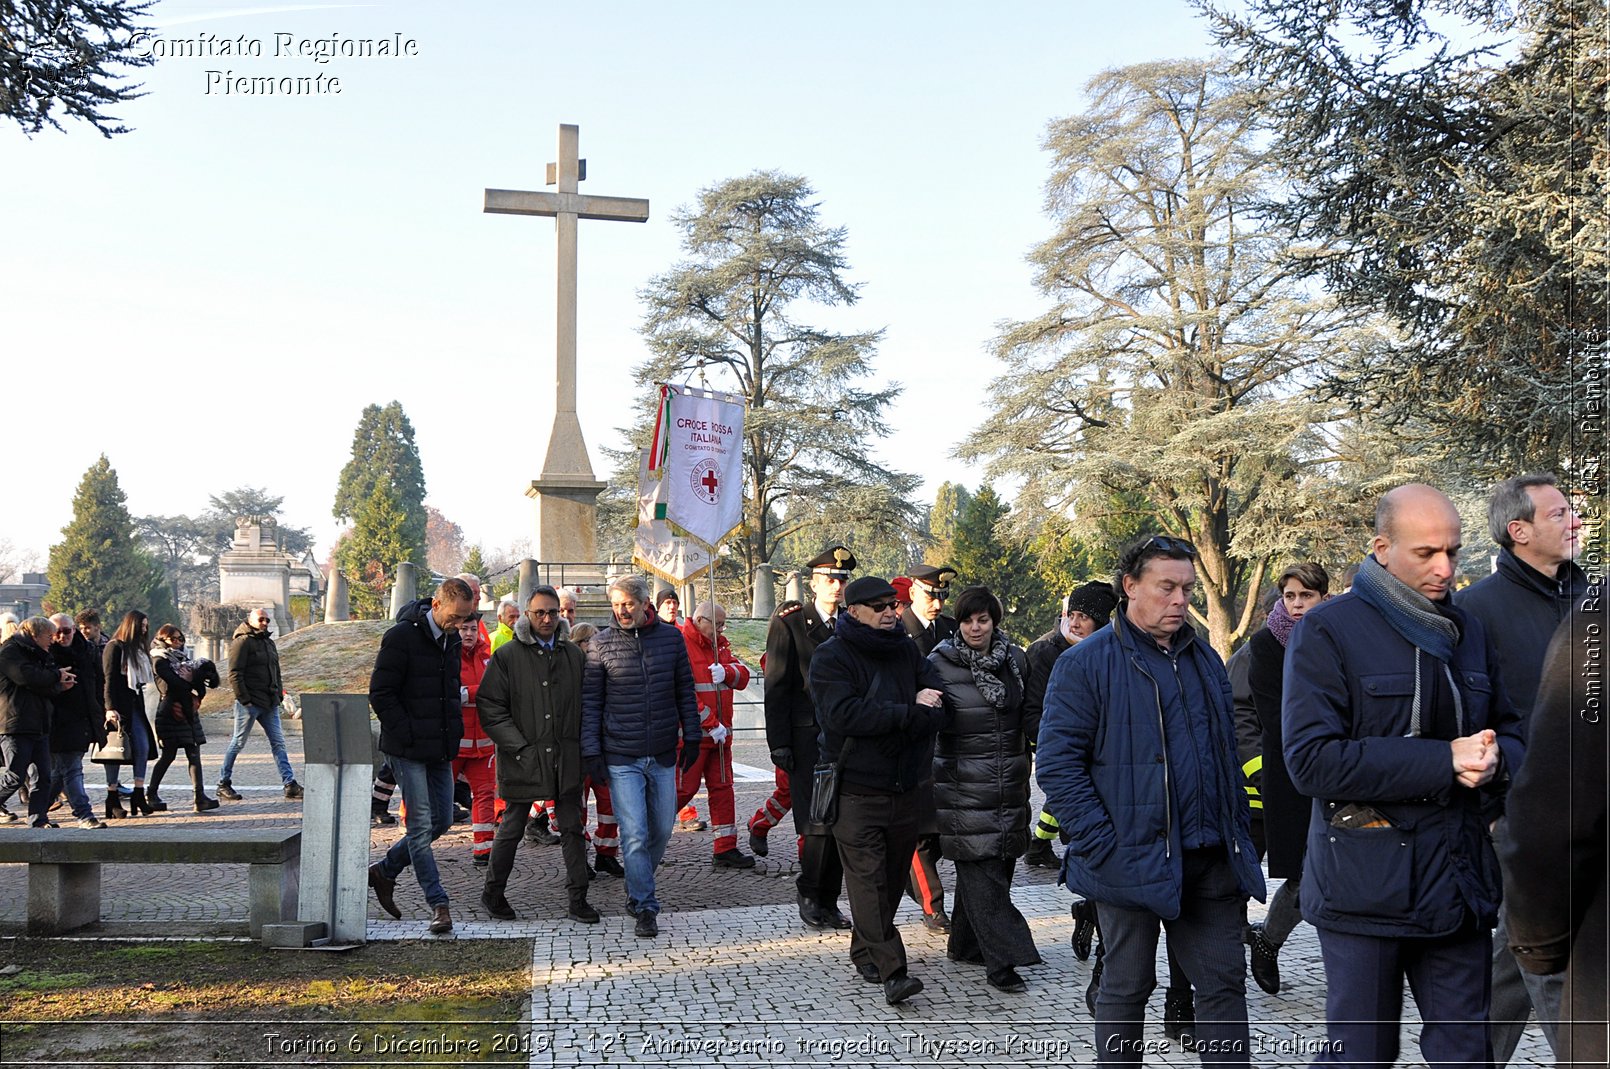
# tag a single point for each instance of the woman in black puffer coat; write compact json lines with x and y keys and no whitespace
{"x":981,"y":788}
{"x":182,"y":683}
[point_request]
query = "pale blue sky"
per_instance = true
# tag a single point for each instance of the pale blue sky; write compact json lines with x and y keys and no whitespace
{"x":212,"y":299}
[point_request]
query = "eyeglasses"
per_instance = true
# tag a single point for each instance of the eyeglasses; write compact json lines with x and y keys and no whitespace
{"x":881,"y":606}
{"x":1170,"y":545}
{"x":542,"y":613}
{"x":722,"y":626}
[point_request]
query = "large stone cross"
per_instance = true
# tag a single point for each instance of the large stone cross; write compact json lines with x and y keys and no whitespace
{"x":566,"y":491}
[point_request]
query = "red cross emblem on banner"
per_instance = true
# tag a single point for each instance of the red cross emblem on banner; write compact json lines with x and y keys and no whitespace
{"x":705,"y":481}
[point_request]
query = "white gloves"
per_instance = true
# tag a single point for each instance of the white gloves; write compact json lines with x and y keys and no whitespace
{"x":463,"y":695}
{"x":718,"y":674}
{"x":719,"y":733}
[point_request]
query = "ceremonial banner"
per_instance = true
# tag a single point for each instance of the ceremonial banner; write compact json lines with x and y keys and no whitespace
{"x":668,"y":555}
{"x":698,"y":456}
{"x":659,"y":549}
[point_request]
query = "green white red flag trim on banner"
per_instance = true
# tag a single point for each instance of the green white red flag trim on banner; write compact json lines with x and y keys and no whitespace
{"x":655,"y":546}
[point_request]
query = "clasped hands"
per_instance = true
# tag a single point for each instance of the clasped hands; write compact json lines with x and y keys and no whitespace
{"x":1475,"y":758}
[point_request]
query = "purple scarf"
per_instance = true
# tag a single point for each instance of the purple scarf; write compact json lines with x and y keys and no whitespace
{"x":1281,"y":623}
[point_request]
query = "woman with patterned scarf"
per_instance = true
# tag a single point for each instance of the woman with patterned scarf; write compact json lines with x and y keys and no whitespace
{"x":182,"y":684}
{"x":981,"y":789}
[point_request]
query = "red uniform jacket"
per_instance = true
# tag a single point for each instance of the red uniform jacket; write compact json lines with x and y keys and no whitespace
{"x":715,"y":699}
{"x":472,"y":661}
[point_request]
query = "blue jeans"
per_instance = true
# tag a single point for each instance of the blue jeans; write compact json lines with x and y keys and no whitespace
{"x":137,"y":747}
{"x":67,"y":773}
{"x":245,"y":716}
{"x":27,"y":760}
{"x":427,"y":790}
{"x":644,"y":795}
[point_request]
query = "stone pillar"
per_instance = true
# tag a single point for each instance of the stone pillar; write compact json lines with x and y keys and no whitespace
{"x":337,"y":604}
{"x":528,"y":582}
{"x":765,"y":599}
{"x":339,"y":768}
{"x":791,"y":592}
{"x":405,"y":588}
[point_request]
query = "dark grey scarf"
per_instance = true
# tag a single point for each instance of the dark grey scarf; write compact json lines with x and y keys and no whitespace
{"x":985,"y":665}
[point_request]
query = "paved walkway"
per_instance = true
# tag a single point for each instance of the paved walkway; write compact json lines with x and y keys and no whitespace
{"x":733,"y":979}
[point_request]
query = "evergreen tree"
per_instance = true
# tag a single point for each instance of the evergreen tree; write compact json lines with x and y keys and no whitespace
{"x":369,"y":556}
{"x":475,"y":564}
{"x":59,"y":55}
{"x":1172,"y":368}
{"x":99,"y":564}
{"x":384,"y":453}
{"x":1462,"y":187}
{"x":983,"y":555}
{"x":758,"y":252}
{"x":950,"y":501}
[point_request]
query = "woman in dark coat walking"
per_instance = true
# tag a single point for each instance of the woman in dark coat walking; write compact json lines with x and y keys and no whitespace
{"x":127,"y":668}
{"x":1285,"y":811}
{"x":981,"y":789}
{"x":181,"y":683}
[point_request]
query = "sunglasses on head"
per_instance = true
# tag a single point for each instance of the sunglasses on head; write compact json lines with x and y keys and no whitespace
{"x":1170,"y":545}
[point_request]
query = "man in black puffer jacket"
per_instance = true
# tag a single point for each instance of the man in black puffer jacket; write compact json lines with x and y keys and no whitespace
{"x":29,"y":680}
{"x":77,"y":720}
{"x":879,"y":704}
{"x":416,"y":696}
{"x":637,"y":700}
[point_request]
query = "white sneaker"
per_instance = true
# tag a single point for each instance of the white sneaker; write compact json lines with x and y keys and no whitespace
{"x":91,"y":822}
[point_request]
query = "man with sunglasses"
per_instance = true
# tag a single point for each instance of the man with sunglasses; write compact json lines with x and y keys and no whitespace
{"x":880,"y":705}
{"x":1137,"y":758}
{"x":791,"y":641}
{"x":925,"y":621}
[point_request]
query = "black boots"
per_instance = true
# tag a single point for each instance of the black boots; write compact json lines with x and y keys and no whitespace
{"x":138,"y":805}
{"x":114,"y":805}
{"x":203,"y":803}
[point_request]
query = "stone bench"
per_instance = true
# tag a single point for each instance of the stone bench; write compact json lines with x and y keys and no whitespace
{"x":64,"y":867}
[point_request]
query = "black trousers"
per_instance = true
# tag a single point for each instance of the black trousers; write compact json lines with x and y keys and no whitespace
{"x":985,"y":923}
{"x":192,"y":757}
{"x":821,"y":876}
{"x":1206,"y":937}
{"x":572,"y":845}
{"x":876,"y":834}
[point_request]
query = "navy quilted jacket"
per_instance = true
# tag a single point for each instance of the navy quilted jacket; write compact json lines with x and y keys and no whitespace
{"x":637,"y":694}
{"x":1102,"y":762}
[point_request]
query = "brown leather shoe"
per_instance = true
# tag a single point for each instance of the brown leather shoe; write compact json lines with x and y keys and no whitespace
{"x":441,"y":921}
{"x":385,"y":889}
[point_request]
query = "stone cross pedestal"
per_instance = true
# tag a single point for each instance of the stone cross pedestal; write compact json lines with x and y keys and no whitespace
{"x":566,"y":493}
